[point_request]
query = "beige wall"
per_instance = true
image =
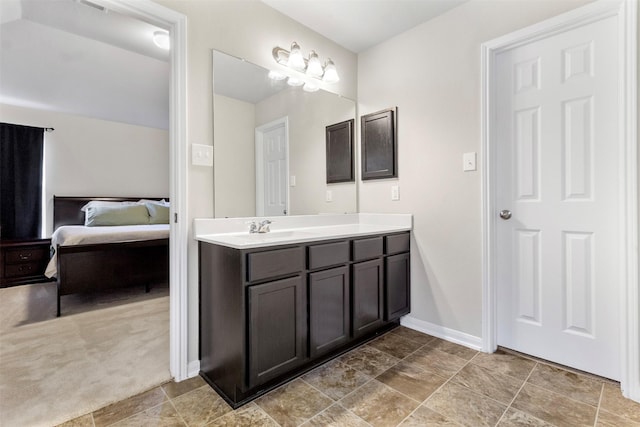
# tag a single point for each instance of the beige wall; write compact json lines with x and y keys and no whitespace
{"x":90,"y":157}
{"x":432,"y":74}
{"x":309,"y":114}
{"x":234,"y":154}
{"x":248,"y":29}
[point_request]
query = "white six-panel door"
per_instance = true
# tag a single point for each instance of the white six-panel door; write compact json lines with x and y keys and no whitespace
{"x":557,"y":156}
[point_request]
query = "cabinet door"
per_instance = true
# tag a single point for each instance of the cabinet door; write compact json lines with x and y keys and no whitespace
{"x":367,"y":296}
{"x":277,"y":328}
{"x":397,"y":285}
{"x":329,"y":309}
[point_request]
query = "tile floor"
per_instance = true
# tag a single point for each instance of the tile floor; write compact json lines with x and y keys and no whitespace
{"x":403,"y":378}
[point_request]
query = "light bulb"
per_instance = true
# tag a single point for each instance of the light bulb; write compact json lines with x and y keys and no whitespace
{"x":330,"y":73}
{"x":276,"y":75}
{"x":296,"y":61}
{"x":294,"y":81}
{"x":314,"y":67}
{"x":310,"y":87}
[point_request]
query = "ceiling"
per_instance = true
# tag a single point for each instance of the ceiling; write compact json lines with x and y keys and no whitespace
{"x":360,"y":24}
{"x":73,"y":56}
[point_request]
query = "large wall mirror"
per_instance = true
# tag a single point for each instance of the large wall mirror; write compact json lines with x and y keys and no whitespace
{"x":269,"y":144}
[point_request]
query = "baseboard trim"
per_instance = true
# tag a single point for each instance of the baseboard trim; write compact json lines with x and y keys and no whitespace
{"x":446,"y":334}
{"x":193,"y":368}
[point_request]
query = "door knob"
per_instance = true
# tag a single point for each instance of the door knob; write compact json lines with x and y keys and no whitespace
{"x":505,"y":214}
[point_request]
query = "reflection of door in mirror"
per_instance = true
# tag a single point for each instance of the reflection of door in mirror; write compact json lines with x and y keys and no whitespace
{"x":272,"y":168}
{"x":244,"y":99}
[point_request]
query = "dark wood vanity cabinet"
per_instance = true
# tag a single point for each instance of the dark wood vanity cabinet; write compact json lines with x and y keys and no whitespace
{"x":270,"y":314}
{"x":277,"y":335}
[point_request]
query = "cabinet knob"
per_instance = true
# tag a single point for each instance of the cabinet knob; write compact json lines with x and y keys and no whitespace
{"x":24,"y":268}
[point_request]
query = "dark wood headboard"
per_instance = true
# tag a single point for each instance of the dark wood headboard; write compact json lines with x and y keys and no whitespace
{"x":66,"y":210}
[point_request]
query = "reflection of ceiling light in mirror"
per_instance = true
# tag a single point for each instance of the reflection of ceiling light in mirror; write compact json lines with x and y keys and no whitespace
{"x":330,"y":73}
{"x":296,"y":60}
{"x":162,"y":40}
{"x":294,"y":81}
{"x":276,"y":75}
{"x":314,"y":67}
{"x":310,"y":87}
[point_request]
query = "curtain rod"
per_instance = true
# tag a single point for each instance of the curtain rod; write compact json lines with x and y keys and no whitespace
{"x":49,"y":129}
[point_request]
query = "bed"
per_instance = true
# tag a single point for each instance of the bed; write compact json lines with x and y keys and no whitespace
{"x":88,"y":266}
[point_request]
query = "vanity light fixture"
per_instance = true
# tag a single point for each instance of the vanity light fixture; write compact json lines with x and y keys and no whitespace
{"x":276,"y":75}
{"x":294,"y":81}
{"x":310,"y":87}
{"x":311,"y":66}
{"x":162,"y":39}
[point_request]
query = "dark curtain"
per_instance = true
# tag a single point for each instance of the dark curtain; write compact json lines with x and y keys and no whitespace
{"x":21,"y":156}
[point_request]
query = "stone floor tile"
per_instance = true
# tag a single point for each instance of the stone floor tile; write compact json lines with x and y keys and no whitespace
{"x":505,"y":363}
{"x":515,"y":418}
{"x":395,"y":345}
{"x":412,"y":334}
{"x":412,"y":381}
{"x":461,"y":351}
{"x":128,"y":407}
{"x":554,"y":408}
{"x":293,"y":403}
{"x":425,"y":417}
{"x":614,"y":402}
{"x":163,"y":415}
{"x":336,"y":379}
{"x":570,"y":384}
{"x":336,"y":416}
{"x":607,"y":419}
{"x":465,"y":406}
{"x":246,"y":416}
{"x":495,"y":385}
{"x":174,"y":389}
{"x":379,"y":405}
{"x":369,"y":360}
{"x":201,"y":406}
{"x":436,"y":361}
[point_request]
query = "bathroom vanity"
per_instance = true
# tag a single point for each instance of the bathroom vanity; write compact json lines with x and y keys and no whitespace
{"x":273,"y":306}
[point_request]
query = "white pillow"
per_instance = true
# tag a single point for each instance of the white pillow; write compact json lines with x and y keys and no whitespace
{"x":101,"y":203}
{"x":162,"y":202}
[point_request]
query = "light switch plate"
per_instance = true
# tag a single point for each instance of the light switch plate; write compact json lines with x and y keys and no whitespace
{"x":395,"y":192}
{"x":469,"y":162}
{"x":201,"y":155}
{"x":292,"y":181}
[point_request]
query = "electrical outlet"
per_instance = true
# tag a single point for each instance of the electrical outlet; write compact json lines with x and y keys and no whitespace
{"x":292,"y":181}
{"x":469,"y":162}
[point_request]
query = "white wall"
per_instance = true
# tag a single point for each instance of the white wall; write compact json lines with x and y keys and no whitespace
{"x":250,"y":30}
{"x":432,"y":74}
{"x":309,"y":114}
{"x":234,"y":154}
{"x":90,"y":157}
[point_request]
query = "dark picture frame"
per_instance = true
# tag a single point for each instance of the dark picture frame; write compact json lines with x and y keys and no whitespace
{"x":340,"y":165}
{"x":378,"y":145}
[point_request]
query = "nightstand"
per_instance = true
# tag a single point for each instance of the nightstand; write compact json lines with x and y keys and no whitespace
{"x":23,"y":261}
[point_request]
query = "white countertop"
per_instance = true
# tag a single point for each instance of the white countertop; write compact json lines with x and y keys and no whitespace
{"x":297,"y":229}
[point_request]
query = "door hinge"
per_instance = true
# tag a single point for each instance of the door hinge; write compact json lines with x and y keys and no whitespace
{"x":175,"y":217}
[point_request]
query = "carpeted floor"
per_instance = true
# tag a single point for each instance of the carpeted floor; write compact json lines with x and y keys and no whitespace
{"x":104,"y":348}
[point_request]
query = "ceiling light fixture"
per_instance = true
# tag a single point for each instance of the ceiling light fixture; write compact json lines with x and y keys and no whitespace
{"x":311,"y":66}
{"x":162,"y":39}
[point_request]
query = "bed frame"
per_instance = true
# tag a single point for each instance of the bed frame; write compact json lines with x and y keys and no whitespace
{"x":102,"y":266}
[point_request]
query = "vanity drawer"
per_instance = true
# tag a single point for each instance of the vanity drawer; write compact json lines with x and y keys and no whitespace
{"x":279,"y":262}
{"x":397,"y":243}
{"x":367,"y":248}
{"x":328,"y":254}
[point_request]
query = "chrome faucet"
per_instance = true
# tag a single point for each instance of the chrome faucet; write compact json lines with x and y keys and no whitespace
{"x":259,"y":227}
